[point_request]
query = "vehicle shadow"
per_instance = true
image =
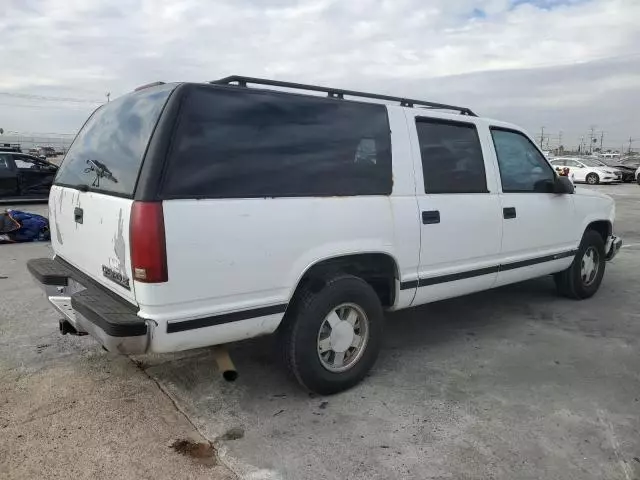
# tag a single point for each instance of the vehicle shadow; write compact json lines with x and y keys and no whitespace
{"x":409,"y":334}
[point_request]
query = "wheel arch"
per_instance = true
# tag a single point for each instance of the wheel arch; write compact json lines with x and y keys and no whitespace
{"x":603,"y":227}
{"x":379,"y":269}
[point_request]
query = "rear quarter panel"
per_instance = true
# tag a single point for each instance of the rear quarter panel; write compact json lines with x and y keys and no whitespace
{"x":227,"y":255}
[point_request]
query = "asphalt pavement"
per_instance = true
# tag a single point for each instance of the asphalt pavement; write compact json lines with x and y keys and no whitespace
{"x":511,"y":383}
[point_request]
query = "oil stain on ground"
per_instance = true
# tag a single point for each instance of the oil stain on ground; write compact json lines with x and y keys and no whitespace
{"x":203,"y":453}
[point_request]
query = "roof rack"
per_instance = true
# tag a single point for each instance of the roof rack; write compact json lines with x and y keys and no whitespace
{"x":339,"y":93}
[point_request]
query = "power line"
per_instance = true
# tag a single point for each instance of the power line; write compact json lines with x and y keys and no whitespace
{"x":58,"y":107}
{"x":29,"y":96}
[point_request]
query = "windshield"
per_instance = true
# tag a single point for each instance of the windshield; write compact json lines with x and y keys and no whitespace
{"x":107,"y":153}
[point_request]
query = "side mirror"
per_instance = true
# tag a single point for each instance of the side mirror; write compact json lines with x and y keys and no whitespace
{"x":562,"y":185}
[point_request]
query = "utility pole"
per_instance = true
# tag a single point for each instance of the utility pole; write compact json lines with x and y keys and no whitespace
{"x":541,"y":136}
{"x":560,"y":143}
{"x":591,"y":135}
{"x":601,"y":139}
{"x":631,"y":140}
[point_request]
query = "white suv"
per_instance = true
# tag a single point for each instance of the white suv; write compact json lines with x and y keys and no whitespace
{"x":189,"y":215}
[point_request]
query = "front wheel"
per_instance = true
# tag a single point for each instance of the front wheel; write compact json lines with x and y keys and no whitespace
{"x":593,"y":179}
{"x":331,"y":337}
{"x":584,"y":276}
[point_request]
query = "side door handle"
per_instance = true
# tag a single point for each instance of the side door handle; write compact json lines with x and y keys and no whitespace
{"x":509,"y":212}
{"x":78,"y":215}
{"x":431,"y":216}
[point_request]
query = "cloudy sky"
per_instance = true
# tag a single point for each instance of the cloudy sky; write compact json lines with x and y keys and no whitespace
{"x":562,"y":64}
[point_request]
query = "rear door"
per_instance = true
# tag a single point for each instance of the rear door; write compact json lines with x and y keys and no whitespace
{"x":8,"y":176}
{"x":576,"y":169}
{"x":459,"y":208}
{"x":90,"y":203}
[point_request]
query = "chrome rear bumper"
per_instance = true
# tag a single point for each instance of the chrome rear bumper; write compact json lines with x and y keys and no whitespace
{"x":62,"y":290}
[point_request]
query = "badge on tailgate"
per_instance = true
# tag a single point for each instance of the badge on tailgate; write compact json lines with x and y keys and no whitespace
{"x":116,"y":277}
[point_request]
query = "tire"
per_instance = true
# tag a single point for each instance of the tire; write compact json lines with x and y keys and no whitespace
{"x":308,"y":321}
{"x":571,"y":282}
{"x":593,"y":179}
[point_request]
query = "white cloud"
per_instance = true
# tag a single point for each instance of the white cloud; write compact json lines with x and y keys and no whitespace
{"x":560,"y":59}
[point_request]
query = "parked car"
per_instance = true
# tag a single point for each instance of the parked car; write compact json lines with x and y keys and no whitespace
{"x":25,"y":176}
{"x":627,"y":173}
{"x":586,"y":170}
{"x":10,"y":147}
{"x":46,"y":152}
{"x":231,"y":212}
{"x":637,"y":174}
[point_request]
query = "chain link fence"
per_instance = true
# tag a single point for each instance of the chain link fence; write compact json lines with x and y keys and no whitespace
{"x":60,"y":142}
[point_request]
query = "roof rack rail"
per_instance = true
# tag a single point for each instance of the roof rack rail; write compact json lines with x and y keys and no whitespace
{"x":339,"y":93}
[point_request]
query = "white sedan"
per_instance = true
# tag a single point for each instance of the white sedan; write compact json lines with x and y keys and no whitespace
{"x":587,"y":171}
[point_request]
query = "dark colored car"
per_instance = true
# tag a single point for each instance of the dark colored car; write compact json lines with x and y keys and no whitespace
{"x":25,"y":176}
{"x":628,"y":172}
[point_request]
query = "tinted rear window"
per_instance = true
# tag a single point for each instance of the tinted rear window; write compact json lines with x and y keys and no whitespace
{"x":107,"y":153}
{"x":452,"y":159}
{"x":243,"y":144}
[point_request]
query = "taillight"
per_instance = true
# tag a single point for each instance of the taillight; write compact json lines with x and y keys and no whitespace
{"x":148,"y":249}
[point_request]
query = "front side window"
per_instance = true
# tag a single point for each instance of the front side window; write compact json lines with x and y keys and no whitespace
{"x":248,"y":144}
{"x":522,"y":166}
{"x":452,"y":160}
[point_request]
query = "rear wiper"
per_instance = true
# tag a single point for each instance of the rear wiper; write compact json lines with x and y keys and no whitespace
{"x":101,"y":171}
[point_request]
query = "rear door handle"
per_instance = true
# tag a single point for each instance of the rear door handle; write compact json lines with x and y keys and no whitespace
{"x":509,"y":212}
{"x":78,"y":215}
{"x":431,"y":216}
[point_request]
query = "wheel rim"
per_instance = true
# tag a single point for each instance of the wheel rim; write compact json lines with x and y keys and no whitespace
{"x":591,"y":179}
{"x":343,"y":337}
{"x":590,"y":264}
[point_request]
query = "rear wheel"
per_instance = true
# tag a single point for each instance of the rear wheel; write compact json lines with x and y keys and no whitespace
{"x":582,"y":279}
{"x":593,"y":179}
{"x":331,"y":337}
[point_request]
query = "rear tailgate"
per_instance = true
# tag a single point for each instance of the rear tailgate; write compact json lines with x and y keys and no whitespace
{"x":91,"y":231}
{"x":90,"y":202}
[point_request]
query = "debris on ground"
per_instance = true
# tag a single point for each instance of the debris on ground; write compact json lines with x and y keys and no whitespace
{"x":17,"y":226}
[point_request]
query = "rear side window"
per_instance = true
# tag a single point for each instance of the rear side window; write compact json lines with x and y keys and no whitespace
{"x":452,"y":159}
{"x":107,"y":153}
{"x":243,"y":144}
{"x":4,"y":162}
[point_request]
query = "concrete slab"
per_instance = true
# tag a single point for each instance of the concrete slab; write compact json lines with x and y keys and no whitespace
{"x":70,"y":410}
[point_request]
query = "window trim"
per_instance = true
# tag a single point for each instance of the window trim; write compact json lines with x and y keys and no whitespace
{"x":522,"y":134}
{"x":454,"y":123}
